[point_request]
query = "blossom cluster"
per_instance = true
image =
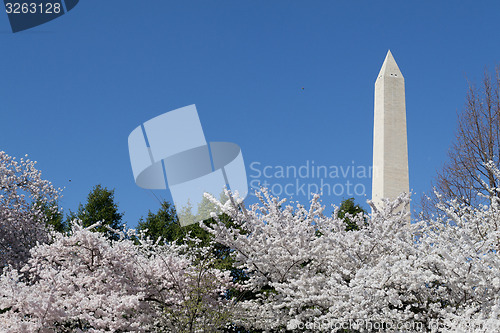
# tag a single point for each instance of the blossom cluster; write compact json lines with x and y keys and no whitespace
{"x":23,"y":197}
{"x":304,"y":266}
{"x":85,"y":282}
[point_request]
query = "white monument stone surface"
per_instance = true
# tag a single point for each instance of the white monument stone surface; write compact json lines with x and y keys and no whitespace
{"x":390,"y":151}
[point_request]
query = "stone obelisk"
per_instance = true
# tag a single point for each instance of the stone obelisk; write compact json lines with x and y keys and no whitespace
{"x":390,"y":151}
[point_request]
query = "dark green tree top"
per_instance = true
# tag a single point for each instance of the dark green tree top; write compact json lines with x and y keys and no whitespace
{"x":349,"y":207}
{"x":54,"y":216}
{"x":165,"y":224}
{"x":100,"y":206}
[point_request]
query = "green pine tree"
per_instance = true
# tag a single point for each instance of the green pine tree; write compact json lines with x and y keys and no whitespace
{"x":100,"y":206}
{"x":348,"y":208}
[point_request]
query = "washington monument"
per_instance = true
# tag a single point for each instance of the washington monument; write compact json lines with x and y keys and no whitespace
{"x":390,"y":151}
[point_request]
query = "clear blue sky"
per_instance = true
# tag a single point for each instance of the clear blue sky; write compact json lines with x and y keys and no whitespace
{"x":72,"y":90}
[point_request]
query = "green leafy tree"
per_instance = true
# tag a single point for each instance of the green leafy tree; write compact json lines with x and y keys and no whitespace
{"x":165,"y":225}
{"x":55,"y":217}
{"x":100,"y":206}
{"x":347,"y":211}
{"x":186,"y":214}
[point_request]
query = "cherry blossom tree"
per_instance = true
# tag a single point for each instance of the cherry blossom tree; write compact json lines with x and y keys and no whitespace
{"x":304,"y":267}
{"x":24,"y":200}
{"x":85,"y":282}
